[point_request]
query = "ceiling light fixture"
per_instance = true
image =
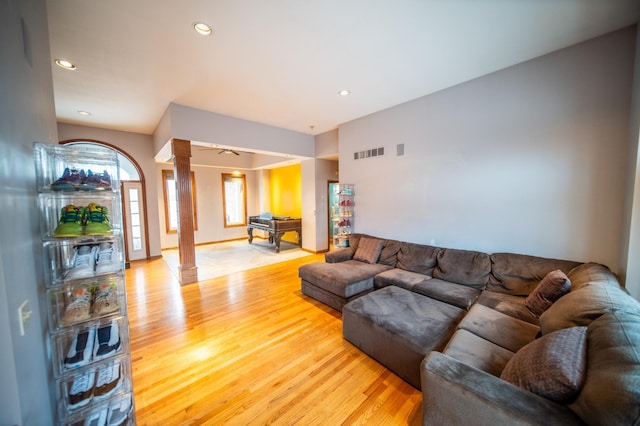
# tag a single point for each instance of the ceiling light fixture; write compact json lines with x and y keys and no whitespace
{"x":344,"y":92}
{"x":202,"y":28}
{"x":84,"y":113}
{"x":63,"y":63}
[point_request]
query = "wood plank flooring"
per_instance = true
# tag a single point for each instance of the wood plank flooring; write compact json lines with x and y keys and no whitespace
{"x":251,"y":349}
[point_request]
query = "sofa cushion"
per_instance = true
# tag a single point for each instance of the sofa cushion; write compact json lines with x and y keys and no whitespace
{"x":368,"y":250}
{"x":519,"y":274}
{"x":389,"y":255}
{"x":611,"y":389}
{"x":344,"y":279}
{"x":400,"y":278}
{"x":454,"y":294}
{"x":551,"y":288}
{"x":478,"y":352}
{"x":503,"y":330}
{"x":466,"y":267}
{"x":417,"y":258}
{"x":553,"y":366}
{"x":591,"y":273}
{"x":507,"y":304}
{"x":580,"y":307}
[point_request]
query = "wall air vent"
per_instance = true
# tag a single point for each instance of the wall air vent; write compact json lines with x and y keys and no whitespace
{"x":375,"y":152}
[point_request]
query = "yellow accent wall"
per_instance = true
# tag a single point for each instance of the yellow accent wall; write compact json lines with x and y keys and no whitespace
{"x":286,"y":194}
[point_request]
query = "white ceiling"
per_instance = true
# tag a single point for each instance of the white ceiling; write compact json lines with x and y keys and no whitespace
{"x":282,"y":62}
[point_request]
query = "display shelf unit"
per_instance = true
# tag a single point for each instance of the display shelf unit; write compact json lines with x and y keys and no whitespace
{"x":83,"y":250}
{"x":343,"y":218}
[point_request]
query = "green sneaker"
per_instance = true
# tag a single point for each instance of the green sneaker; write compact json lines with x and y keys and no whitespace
{"x":70,"y":223}
{"x":97,"y":220}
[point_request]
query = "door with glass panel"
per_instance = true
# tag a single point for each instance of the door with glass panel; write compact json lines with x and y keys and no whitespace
{"x":134,"y":220}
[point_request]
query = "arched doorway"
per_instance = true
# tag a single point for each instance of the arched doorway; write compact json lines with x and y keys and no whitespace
{"x":134,"y":200}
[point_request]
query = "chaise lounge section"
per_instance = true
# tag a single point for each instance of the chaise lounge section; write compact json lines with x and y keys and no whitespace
{"x":490,"y":338}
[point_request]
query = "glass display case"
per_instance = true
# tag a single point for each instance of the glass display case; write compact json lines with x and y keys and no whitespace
{"x":342,"y":214}
{"x":82,"y":240}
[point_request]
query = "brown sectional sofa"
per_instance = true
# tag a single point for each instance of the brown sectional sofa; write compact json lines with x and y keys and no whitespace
{"x":452,"y":322}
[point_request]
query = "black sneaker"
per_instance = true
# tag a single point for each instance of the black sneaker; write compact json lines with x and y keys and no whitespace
{"x":80,"y":350}
{"x":107,"y":341}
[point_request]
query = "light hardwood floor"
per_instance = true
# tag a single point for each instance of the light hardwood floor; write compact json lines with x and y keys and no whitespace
{"x":251,"y":349}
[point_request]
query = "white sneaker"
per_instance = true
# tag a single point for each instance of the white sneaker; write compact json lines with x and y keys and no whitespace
{"x":108,"y":381}
{"x":81,"y":390}
{"x":119,"y":412}
{"x":107,"y":259}
{"x":97,"y":419}
{"x":84,"y":260}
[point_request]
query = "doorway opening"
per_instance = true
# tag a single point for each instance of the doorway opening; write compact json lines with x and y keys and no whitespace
{"x":133,"y":193}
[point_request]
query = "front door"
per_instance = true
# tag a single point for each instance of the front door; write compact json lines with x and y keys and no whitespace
{"x":134,"y":220}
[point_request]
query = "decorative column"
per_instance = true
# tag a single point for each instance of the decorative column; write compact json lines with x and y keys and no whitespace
{"x":181,"y":150}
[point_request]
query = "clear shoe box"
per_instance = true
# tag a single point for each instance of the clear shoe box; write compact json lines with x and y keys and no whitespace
{"x":51,"y":206}
{"x":118,"y":411}
{"x":79,"y":302}
{"x":81,"y":258}
{"x":79,"y":167}
{"x":78,"y":347}
{"x":92,"y":386}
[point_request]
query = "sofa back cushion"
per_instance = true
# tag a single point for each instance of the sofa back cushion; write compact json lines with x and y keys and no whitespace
{"x":389,"y":255}
{"x":471,"y":268}
{"x":591,"y":273}
{"x":611,"y":389}
{"x":582,"y":306}
{"x":519,"y":274}
{"x":417,"y":258}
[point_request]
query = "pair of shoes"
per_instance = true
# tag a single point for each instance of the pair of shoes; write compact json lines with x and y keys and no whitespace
{"x":115,"y":415}
{"x":80,"y":307}
{"x":74,"y":179}
{"x":93,"y":344}
{"x":103,"y":298}
{"x":92,"y":259}
{"x":90,"y":385}
{"x":77,"y":221}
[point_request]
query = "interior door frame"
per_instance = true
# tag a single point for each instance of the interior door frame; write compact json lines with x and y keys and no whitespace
{"x":329,"y":227}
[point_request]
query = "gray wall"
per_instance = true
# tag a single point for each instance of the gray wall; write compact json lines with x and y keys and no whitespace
{"x":27,"y":114}
{"x":530,"y":159}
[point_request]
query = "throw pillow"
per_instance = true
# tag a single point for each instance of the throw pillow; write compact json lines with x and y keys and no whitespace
{"x":553,"y":366}
{"x":368,"y":250}
{"x":551,"y":288}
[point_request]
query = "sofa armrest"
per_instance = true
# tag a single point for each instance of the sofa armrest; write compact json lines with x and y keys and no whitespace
{"x":339,"y":255}
{"x":455,"y":393}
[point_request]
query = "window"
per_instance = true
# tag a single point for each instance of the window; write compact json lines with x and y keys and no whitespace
{"x":234,"y":200}
{"x":171,"y":201}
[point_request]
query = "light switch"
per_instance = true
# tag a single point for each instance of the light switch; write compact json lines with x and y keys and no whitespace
{"x":24,"y":314}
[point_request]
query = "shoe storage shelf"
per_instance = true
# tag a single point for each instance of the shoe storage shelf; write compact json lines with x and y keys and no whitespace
{"x":83,"y":250}
{"x":343,"y":221}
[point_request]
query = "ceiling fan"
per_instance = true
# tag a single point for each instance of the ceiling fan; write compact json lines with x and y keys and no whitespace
{"x":224,"y":150}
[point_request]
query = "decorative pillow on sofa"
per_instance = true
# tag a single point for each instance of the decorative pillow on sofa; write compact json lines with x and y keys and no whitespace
{"x":550,"y":289}
{"x":553,"y":366}
{"x":368,"y":250}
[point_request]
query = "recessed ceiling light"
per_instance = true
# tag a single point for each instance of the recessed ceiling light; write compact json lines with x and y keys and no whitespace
{"x":202,"y":28}
{"x":344,"y":92}
{"x":63,"y":63}
{"x":84,"y":113}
